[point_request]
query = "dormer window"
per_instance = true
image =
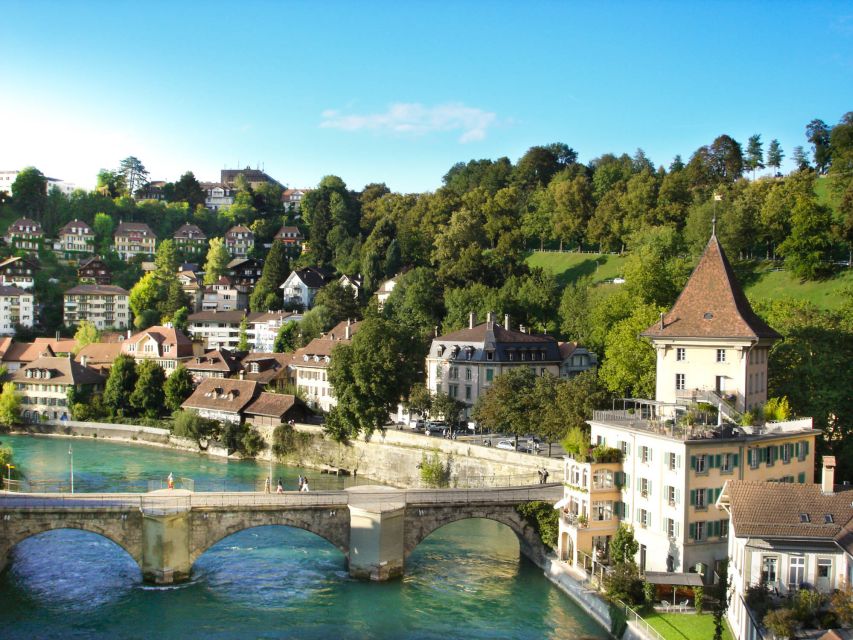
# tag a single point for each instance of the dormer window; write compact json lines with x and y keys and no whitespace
{"x":440,"y":349}
{"x":827,"y":518}
{"x":804,"y":518}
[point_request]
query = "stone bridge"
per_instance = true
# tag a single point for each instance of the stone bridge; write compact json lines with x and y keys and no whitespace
{"x":375,"y":527}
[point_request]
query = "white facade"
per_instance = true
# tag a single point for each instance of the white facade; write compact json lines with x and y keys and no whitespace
{"x":7,"y":179}
{"x":216,"y":332}
{"x":16,"y":308}
{"x":295,"y":291}
{"x":107,"y":306}
{"x":264,"y":329}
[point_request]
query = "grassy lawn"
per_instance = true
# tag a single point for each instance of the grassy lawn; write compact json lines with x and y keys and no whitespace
{"x":569,"y":267}
{"x":685,"y":626}
{"x":764,"y":283}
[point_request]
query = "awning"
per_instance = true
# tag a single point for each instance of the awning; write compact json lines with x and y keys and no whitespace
{"x":562,"y":503}
{"x":679,"y":579}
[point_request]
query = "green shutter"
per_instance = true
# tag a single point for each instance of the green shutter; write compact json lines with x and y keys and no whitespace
{"x":693,"y":497}
{"x":734,"y":460}
{"x":718,"y":461}
{"x":693,"y":463}
{"x":692,"y":530}
{"x":801,"y":478}
{"x":806,"y":448}
{"x":717,"y":493}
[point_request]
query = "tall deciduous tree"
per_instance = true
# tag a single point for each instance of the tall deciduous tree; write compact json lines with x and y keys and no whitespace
{"x":103,"y":226}
{"x":217,"y":260}
{"x":186,"y":189}
{"x":629,"y":360}
{"x":178,"y":387}
{"x":286,"y":340}
{"x":807,"y":249}
{"x":508,"y":405}
{"x":818,"y":133}
{"x":147,"y":396}
{"x":10,"y":404}
{"x":29,"y":193}
{"x":86,"y":334}
{"x":120,"y":384}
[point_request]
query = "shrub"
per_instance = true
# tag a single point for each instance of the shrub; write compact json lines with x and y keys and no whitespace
{"x":698,"y":598}
{"x":434,"y":473}
{"x":623,"y":582}
{"x":777,"y":409}
{"x":649,"y":592}
{"x":781,"y":622}
{"x":805,"y":604}
{"x":841,"y":603}
{"x":602,"y":453}
{"x":544,"y":518}
{"x":747,"y":419}
{"x":758,"y":599}
{"x":283,"y":439}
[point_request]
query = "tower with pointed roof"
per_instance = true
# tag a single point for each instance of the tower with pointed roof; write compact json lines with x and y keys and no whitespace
{"x":711,"y":343}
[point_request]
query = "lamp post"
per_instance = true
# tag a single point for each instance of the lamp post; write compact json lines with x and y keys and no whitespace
{"x":270,"y":484}
{"x":9,"y":468}
{"x":71,"y":457}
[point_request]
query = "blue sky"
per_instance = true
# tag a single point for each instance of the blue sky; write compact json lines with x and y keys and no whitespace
{"x":400,"y":91}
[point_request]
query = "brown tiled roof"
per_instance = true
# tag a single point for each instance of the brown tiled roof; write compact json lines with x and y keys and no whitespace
{"x":712,"y":304}
{"x":222,"y":394}
{"x":9,"y":290}
{"x":271,"y":404}
{"x":5,"y":343}
{"x":58,"y":345}
{"x":480,"y":333}
{"x":238,"y":228}
{"x":25,"y":352}
{"x":97,"y":289}
{"x":163,"y":335}
{"x":81,"y":226}
{"x":773,"y":510}
{"x":18,"y":225}
{"x":216,"y":360}
{"x":234,"y":316}
{"x":62,"y":370}
{"x":567,"y":349}
{"x":273,"y":366}
{"x":99,"y":354}
{"x":187,"y":231}
{"x":133,"y":228}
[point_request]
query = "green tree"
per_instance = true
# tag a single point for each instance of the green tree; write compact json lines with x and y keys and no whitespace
{"x":818,"y":133}
{"x":187,"y":189}
{"x":624,"y":546}
{"x":180,"y":319}
{"x":287,"y":338}
{"x":372,"y":373}
{"x":10,"y":404}
{"x":29,"y":193}
{"x":801,"y":160}
{"x":572,"y":405}
{"x":416,"y":302}
{"x":103,"y":227}
{"x":111,"y":184}
{"x":721,"y":604}
{"x":178,"y":387}
{"x":217,"y":260}
{"x":458,"y":253}
{"x":147,"y":396}
{"x":134,"y":173}
{"x":419,"y":401}
{"x":243,"y":341}
{"x":121,"y":382}
{"x":807,"y":250}
{"x":267,"y":295}
{"x":510,"y":403}
{"x":315,"y":322}
{"x":629,"y":360}
{"x":339,"y":300}
{"x":448,"y":408}
{"x":145,"y":297}
{"x":86,"y":334}
{"x":754,"y":154}
{"x":775,"y":155}
{"x":189,"y":424}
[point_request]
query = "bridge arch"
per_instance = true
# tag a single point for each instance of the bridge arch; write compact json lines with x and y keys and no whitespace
{"x":15,"y":535}
{"x":423,"y":521}
{"x":332,"y":525}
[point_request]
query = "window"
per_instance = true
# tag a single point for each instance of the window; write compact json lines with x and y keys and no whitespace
{"x":672,"y":496}
{"x":824,"y":568}
{"x":725,"y":463}
{"x":490,"y":375}
{"x":697,"y":531}
{"x":625,"y":448}
{"x":786,"y":452}
{"x":679,"y":382}
{"x":796,"y":571}
{"x":699,"y":463}
{"x":724,"y":528}
{"x":644,"y":518}
{"x":467,"y":393}
{"x":827,"y":518}
{"x":467,"y":373}
{"x":645,"y":487}
{"x":721,"y":355}
{"x":671,"y":527}
{"x":681,"y":354}
{"x":697,"y":498}
{"x":646,"y":454}
{"x":673,"y":461}
{"x":453,"y":391}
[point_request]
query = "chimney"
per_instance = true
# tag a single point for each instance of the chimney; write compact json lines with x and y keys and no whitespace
{"x":435,"y":331}
{"x":522,"y":328}
{"x":827,"y":482}
{"x":347,"y":331}
{"x":242,"y":373}
{"x":661,"y":320}
{"x":57,"y":335}
{"x":471,"y":320}
{"x":506,"y":321}
{"x":84,"y":360}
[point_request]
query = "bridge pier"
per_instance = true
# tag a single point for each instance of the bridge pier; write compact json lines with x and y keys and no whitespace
{"x":166,"y":545}
{"x":376,"y":549}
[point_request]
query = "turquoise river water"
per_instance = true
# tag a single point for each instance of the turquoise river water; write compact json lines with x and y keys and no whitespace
{"x":466,"y":580}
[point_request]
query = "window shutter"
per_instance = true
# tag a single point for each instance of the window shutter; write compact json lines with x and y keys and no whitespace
{"x":801,"y":478}
{"x":692,"y":530}
{"x":717,"y":493}
{"x":649,"y":487}
{"x":678,"y":461}
{"x":734,"y":460}
{"x":627,"y":480}
{"x":806,"y":448}
{"x":693,"y":497}
{"x":639,"y":517}
{"x":650,"y":454}
{"x":677,"y":496}
{"x":677,"y":529}
{"x":618,"y":476}
{"x":715,"y":528}
{"x":717,"y":460}
{"x":693,"y":463}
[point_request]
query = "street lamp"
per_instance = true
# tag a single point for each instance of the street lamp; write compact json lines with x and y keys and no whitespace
{"x":9,"y":468}
{"x":71,"y":457}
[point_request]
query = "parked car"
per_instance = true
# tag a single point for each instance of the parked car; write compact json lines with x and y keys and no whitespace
{"x":436,"y":428}
{"x":506,"y":444}
{"x":417,"y":425}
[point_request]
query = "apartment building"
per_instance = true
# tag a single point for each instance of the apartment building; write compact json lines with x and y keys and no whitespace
{"x":223,"y":295}
{"x":44,"y":384}
{"x":309,"y":365}
{"x":17,"y":308}
{"x":75,"y":238}
{"x":25,"y":235}
{"x":675,"y":455}
{"x":106,"y":306}
{"x":216,"y":329}
{"x":291,"y":237}
{"x":264,"y":327}
{"x":133,"y":239}
{"x":465,"y":363}
{"x":190,"y":240}
{"x":239,"y":240}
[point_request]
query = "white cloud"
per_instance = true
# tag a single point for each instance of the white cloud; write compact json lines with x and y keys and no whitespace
{"x":412,"y":118}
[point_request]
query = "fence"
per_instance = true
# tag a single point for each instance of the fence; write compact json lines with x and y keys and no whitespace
{"x":631,"y":615}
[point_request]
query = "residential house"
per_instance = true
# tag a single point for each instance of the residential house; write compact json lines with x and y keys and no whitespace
{"x":217,"y":195}
{"x":675,"y":454}
{"x":167,"y":346}
{"x":264,"y":327}
{"x":223,"y":295}
{"x":151,"y":191}
{"x":94,"y":271}
{"x":190,"y":240}
{"x":133,"y":239}
{"x":104,"y":305}
{"x":16,"y":309}
{"x":25,"y":234}
{"x":44,"y":384}
{"x":292,"y":239}
{"x":309,"y":365}
{"x":273,"y":409}
{"x":303,"y":284}
{"x":17,"y":355}
{"x":99,"y":355}
{"x":270,"y":370}
{"x":353,"y":283}
{"x":7,"y":179}
{"x":75,"y":238}
{"x":292,"y":198}
{"x":465,"y":363}
{"x":245,"y":273}
{"x":222,"y":399}
{"x":384,"y":292}
{"x":18,"y":272}
{"x":219,"y":363}
{"x":216,"y":329}
{"x":239,"y":240}
{"x":192,"y":286}
{"x":576,"y":359}
{"x":59,"y":346}
{"x":787,"y":537}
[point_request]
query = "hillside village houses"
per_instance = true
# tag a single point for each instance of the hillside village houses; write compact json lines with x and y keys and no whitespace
{"x":264,"y":327}
{"x":239,"y":240}
{"x":18,"y":272}
{"x":669,"y":465}
{"x":788,"y":537}
{"x":7,"y":179}
{"x":353,"y":283}
{"x":292,"y":198}
{"x":291,"y":237}
{"x":17,"y":308}
{"x":133,"y":239}
{"x":309,"y":365}
{"x":25,"y":235}
{"x":75,"y":238}
{"x":106,"y":306}
{"x":230,"y":400}
{"x":94,"y":271}
{"x":217,"y":195}
{"x":193,"y":288}
{"x":43,"y":385}
{"x":303,"y":284}
{"x":190,"y":240}
{"x":216,"y":329}
{"x":167,"y":346}
{"x":223,"y":295}
{"x":245,"y":273}
{"x":384,"y":292}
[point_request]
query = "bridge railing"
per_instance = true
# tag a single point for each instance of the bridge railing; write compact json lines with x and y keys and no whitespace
{"x":260,"y":498}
